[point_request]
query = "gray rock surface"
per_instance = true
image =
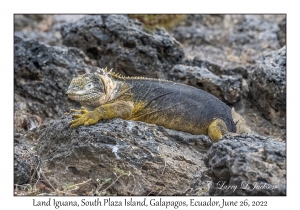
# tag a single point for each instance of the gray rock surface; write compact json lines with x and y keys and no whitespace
{"x":22,"y":171}
{"x":282,"y":32}
{"x":29,"y":21}
{"x":43,"y":28}
{"x":217,"y":69}
{"x":121,"y":43}
{"x":224,"y":87}
{"x":160,"y":161}
{"x":229,"y":41}
{"x":43,"y":73}
{"x":25,"y":158}
{"x":267,"y":86}
{"x":255,"y":164}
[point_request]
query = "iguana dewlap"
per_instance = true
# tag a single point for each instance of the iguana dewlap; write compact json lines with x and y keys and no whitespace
{"x":106,"y":95}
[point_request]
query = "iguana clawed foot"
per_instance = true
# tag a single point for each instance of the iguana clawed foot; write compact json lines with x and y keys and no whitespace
{"x":85,"y":118}
{"x":83,"y":110}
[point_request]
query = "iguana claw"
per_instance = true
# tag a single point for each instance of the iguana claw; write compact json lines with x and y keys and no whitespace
{"x":86,"y":118}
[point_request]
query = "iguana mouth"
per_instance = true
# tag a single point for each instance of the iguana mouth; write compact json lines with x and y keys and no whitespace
{"x":84,"y":96}
{"x":71,"y":92}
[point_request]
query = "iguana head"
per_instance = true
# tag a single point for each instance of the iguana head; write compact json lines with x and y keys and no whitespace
{"x":86,"y":88}
{"x":91,"y":90}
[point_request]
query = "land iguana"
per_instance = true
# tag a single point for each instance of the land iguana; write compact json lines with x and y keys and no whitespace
{"x":106,"y":95}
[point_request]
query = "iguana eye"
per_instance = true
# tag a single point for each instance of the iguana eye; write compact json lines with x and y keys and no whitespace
{"x":89,"y":86}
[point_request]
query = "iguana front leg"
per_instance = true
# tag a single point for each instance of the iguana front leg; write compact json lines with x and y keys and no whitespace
{"x":121,"y":109}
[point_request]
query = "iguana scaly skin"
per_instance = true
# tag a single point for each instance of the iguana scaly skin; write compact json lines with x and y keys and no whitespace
{"x":106,"y":95}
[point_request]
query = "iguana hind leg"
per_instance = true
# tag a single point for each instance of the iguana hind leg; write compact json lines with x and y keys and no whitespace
{"x":217,"y":129}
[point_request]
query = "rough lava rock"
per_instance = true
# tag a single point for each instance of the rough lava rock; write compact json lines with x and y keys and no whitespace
{"x":43,"y":28}
{"x":30,"y":22}
{"x":229,"y":41}
{"x":160,"y":161}
{"x":267,"y":86}
{"x":121,"y":43}
{"x":25,"y":158}
{"x":22,"y":170}
{"x":216,"y":69}
{"x":258,"y":34}
{"x":247,"y":161}
{"x":42,"y":74}
{"x":282,"y":32}
{"x":224,"y":87}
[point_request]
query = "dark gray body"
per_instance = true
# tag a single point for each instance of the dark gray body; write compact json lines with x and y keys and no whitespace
{"x":186,"y":106}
